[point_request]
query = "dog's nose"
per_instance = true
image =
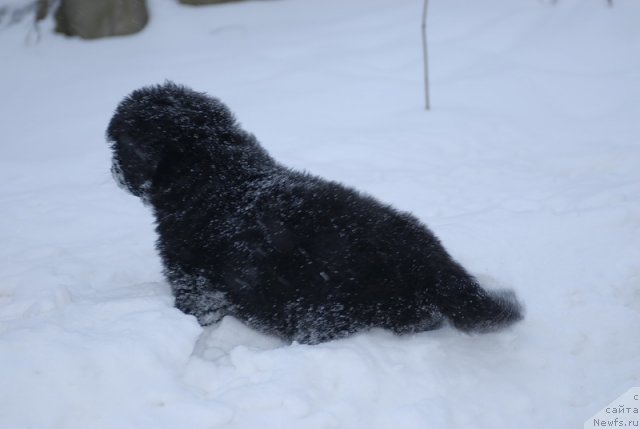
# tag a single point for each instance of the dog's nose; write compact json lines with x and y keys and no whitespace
{"x":116,"y":172}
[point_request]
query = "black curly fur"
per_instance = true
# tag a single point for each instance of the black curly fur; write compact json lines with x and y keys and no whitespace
{"x":288,"y":253}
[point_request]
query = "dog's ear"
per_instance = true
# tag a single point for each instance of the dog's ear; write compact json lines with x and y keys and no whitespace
{"x":173,"y":166}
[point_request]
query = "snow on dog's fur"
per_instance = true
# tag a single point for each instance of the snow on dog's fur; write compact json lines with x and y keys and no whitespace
{"x":288,"y":253}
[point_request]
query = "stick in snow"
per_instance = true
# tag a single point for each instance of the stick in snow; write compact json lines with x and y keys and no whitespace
{"x":424,"y":53}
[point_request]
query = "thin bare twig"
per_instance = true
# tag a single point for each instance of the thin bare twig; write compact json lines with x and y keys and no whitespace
{"x":424,"y":53}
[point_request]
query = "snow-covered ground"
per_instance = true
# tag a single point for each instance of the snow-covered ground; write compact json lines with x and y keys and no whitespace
{"x":528,"y":168}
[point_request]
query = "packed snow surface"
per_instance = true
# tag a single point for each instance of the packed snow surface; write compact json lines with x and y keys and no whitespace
{"x":527,"y":168}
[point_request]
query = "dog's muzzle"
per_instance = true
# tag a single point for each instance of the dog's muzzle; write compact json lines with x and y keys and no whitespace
{"x":118,"y":177}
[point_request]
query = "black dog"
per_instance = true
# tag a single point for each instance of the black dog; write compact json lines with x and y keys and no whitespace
{"x":288,"y":253}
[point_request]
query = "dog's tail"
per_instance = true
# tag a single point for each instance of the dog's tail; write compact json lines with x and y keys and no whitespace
{"x":471,"y":308}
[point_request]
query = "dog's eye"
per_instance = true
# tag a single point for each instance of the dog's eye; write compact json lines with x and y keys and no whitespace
{"x":129,"y":146}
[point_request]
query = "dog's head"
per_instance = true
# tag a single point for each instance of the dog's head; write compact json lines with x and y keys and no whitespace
{"x":160,"y":124}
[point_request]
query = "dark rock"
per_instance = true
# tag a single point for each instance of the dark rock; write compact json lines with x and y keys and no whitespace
{"x":101,"y":18}
{"x":204,"y":2}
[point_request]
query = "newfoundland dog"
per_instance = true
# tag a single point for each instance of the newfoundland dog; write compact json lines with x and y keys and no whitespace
{"x":288,"y":253}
